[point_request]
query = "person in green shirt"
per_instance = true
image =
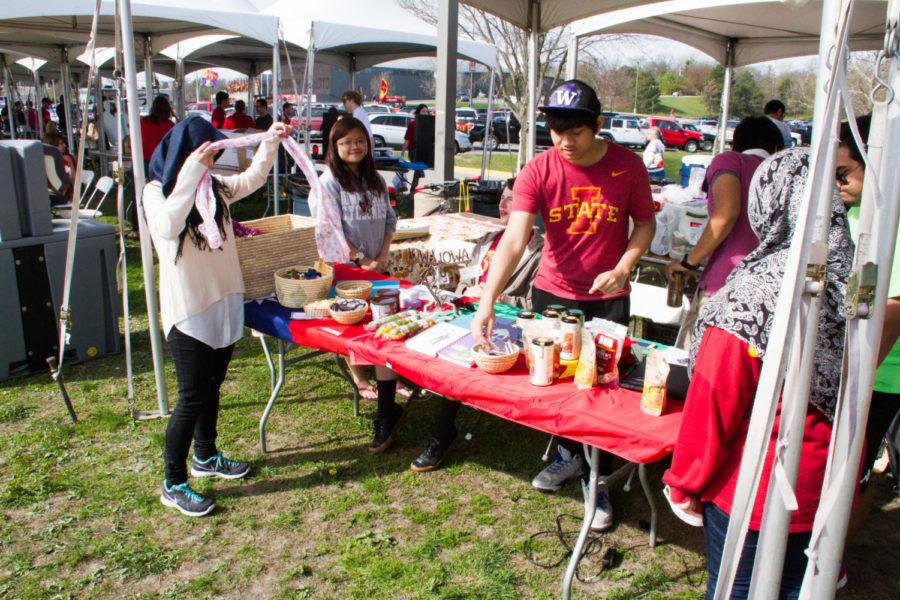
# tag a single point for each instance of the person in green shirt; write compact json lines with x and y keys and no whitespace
{"x":850,"y":173}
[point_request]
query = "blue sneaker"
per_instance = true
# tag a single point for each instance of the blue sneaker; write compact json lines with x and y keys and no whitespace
{"x":185,"y":500}
{"x":218,"y":466}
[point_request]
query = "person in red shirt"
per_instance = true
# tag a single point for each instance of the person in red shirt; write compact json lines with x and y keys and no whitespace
{"x":240,"y":119}
{"x":728,"y":346}
{"x":409,"y":138}
{"x":155,"y":125}
{"x":218,"y":114}
{"x":586,"y":190}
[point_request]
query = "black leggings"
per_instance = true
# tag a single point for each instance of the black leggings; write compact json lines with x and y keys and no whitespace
{"x":615,"y":309}
{"x":200,"y":371}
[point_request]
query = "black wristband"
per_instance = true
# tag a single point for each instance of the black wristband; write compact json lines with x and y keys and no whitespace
{"x":687,"y":265}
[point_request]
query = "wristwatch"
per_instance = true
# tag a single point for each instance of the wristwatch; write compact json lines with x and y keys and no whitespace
{"x":357,"y":258}
{"x":687,"y":265}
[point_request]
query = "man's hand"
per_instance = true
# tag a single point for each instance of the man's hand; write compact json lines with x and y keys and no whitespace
{"x":609,"y":282}
{"x":673,"y":267}
{"x":483,"y":322}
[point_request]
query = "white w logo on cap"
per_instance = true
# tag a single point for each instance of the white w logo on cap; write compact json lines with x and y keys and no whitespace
{"x":565,"y":97}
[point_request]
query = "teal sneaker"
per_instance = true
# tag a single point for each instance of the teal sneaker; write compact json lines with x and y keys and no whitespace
{"x":185,"y":500}
{"x":218,"y":466}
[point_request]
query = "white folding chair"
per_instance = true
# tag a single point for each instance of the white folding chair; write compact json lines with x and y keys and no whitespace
{"x":104,"y":185}
{"x":87,"y":177}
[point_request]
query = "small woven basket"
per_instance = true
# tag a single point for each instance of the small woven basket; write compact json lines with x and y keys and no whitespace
{"x":316,"y":312}
{"x":494,"y":364}
{"x":354,"y":290}
{"x":350,"y":317}
{"x":294,"y":293}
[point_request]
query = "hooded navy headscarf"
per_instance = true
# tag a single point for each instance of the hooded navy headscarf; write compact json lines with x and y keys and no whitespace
{"x":165,"y":165}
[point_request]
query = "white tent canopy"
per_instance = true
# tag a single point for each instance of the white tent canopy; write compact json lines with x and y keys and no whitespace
{"x":759,"y":30}
{"x":551,"y":13}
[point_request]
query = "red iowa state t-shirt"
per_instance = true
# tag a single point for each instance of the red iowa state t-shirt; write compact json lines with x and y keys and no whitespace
{"x":585,"y":212}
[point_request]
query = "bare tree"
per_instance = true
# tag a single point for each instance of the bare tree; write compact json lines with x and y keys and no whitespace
{"x":512,"y":52}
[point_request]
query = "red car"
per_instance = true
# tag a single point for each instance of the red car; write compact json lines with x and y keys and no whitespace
{"x":676,"y":136}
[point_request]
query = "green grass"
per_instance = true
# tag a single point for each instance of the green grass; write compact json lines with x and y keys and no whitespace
{"x":685,"y":106}
{"x":320,"y":517}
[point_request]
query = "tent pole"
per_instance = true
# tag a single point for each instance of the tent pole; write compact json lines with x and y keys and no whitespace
{"x":488,"y":119}
{"x":137,"y":169}
{"x":148,"y":71}
{"x":535,"y":26}
{"x":351,"y":69}
{"x":722,"y":132}
{"x":179,"y":85}
{"x":10,"y":101}
{"x":251,"y":102}
{"x":310,"y":69}
{"x":572,"y":58}
{"x":276,"y":74}
{"x":841,"y":480}
{"x":38,"y":105}
{"x":445,"y":120}
{"x":66,"y":90}
{"x":101,"y":130}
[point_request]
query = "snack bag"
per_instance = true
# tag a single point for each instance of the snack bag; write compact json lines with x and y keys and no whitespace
{"x":656,"y":371}
{"x":609,"y":339}
{"x":586,"y":371}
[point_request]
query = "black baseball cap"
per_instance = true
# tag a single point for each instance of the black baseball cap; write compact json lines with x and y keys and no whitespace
{"x":573,"y":95}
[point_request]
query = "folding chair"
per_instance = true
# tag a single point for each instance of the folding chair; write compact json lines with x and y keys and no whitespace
{"x":104,"y":185}
{"x":87,"y":177}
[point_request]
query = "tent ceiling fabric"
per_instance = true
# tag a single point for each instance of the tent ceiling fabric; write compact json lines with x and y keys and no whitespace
{"x":374,"y":46}
{"x":763,"y":30}
{"x":554,"y":13}
{"x":43,"y":23}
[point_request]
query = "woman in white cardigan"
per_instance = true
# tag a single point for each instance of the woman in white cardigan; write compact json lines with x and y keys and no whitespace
{"x":201,"y":297}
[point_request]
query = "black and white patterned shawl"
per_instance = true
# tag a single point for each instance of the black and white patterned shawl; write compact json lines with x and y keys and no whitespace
{"x":745,"y":305}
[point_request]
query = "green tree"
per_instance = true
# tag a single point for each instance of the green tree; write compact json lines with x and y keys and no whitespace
{"x":712,"y":89}
{"x":644,"y":94}
{"x":670,"y":81}
{"x":746,"y":97}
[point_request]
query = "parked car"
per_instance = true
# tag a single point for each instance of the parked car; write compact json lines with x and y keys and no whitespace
{"x":374,"y":109}
{"x":676,"y":136}
{"x":466,"y":118}
{"x":317,"y":114}
{"x":709,"y":139}
{"x":506,"y":131}
{"x":803,"y":129}
{"x":389,"y":129}
{"x":626,"y":132}
{"x":205,"y":105}
{"x":198,"y":113}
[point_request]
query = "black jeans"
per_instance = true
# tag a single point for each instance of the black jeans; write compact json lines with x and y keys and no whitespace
{"x":882,"y":413}
{"x":200,"y":371}
{"x":615,"y":309}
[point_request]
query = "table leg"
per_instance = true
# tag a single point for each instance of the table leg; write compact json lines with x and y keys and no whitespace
{"x":642,"y":474}
{"x":265,"y":347}
{"x":276,"y":390}
{"x":345,"y":371}
{"x":590,"y":454}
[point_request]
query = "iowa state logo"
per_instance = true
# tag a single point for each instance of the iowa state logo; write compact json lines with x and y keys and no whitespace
{"x":585,"y":212}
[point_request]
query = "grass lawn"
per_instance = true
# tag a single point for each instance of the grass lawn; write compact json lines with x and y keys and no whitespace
{"x":685,"y":106}
{"x":319,"y":517}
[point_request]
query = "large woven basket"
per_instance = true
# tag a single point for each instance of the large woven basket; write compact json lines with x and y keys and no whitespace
{"x":294,"y":293}
{"x":286,"y":240}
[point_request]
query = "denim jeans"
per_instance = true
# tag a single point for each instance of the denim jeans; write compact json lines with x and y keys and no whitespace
{"x":200,"y":371}
{"x":715,"y":525}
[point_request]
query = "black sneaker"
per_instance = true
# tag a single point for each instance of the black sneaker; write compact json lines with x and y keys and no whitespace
{"x":433,"y":455}
{"x":188,"y":502}
{"x":218,"y":466}
{"x":386,"y":431}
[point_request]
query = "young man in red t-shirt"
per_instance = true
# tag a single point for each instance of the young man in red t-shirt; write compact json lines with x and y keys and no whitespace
{"x":586,"y":190}
{"x":218,"y":114}
{"x":239,"y":119}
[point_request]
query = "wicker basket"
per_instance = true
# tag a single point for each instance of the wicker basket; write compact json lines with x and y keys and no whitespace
{"x":286,"y":240}
{"x":494,"y":364}
{"x":350,"y":317}
{"x":317,"y":312}
{"x":294,"y":293}
{"x":354,"y":290}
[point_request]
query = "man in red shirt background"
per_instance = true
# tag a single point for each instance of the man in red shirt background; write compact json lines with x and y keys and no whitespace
{"x":586,"y":190}
{"x":218,"y":114}
{"x":240,"y":119}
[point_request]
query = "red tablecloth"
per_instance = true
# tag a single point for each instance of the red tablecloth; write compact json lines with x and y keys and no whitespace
{"x":608,"y":419}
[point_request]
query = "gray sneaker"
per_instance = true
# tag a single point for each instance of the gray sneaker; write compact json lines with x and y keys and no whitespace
{"x":185,"y":500}
{"x":218,"y":466}
{"x":564,"y":467}
{"x":603,"y":512}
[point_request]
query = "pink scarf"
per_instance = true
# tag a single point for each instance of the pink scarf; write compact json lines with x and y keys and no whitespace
{"x":329,"y":233}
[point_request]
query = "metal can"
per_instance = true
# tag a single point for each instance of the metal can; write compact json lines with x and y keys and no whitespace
{"x":557,"y":307}
{"x":542,"y":368}
{"x":383,"y":306}
{"x":675,"y":291}
{"x":569,"y":338}
{"x":387,"y":292}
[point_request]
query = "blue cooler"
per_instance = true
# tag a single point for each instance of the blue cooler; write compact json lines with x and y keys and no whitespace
{"x":689,"y":163}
